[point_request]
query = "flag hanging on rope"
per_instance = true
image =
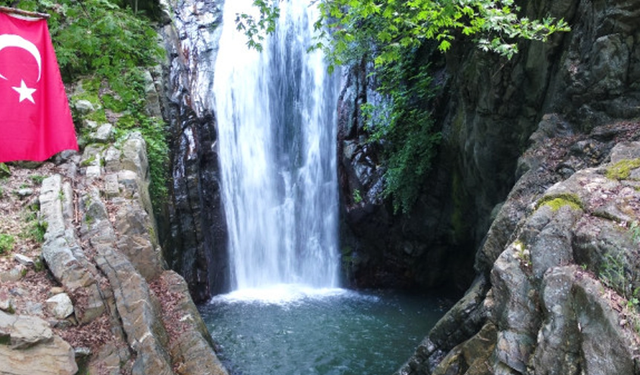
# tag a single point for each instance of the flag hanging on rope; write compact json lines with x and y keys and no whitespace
{"x":35,"y":120}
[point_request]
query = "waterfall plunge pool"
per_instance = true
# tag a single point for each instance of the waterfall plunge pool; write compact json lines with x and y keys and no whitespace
{"x":276,"y":113}
{"x":288,"y":330}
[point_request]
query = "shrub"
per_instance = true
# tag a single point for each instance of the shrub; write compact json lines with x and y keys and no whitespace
{"x":6,"y":243}
{"x":106,"y":42}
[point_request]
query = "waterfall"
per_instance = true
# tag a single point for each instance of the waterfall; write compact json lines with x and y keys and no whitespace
{"x":276,"y":113}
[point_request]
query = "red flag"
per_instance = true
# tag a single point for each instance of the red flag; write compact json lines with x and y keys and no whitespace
{"x":35,"y":120}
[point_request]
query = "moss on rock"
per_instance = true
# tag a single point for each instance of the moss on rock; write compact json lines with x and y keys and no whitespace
{"x":558,"y":201}
{"x":622,"y":169}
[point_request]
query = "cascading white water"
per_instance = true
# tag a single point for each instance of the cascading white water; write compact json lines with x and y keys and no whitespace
{"x":276,"y":119}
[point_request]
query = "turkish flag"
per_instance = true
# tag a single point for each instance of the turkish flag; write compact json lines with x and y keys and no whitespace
{"x":35,"y":120}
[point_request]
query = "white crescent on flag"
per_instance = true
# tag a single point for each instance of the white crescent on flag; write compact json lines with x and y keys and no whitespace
{"x":10,"y":40}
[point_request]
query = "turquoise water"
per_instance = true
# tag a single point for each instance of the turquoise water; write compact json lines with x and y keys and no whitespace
{"x":291,"y":331}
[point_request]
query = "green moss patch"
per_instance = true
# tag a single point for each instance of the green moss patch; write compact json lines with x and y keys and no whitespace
{"x":557,"y":201}
{"x":622,"y":169}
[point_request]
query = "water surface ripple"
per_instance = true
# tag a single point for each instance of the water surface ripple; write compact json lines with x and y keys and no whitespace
{"x":291,"y":331}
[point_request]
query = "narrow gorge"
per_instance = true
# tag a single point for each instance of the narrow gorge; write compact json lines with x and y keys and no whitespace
{"x":277,"y":247}
{"x":554,"y":109}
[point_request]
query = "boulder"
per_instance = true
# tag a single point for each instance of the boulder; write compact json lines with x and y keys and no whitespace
{"x":103,"y":134}
{"x":111,"y":187}
{"x":13,"y":274}
{"x":26,"y":192}
{"x":550,"y":312}
{"x":22,"y":332}
{"x":24,"y":260}
{"x":54,"y":357}
{"x":60,"y":306}
{"x":84,"y":107}
{"x":153,"y":106}
{"x":112,"y":159}
{"x":6,"y":303}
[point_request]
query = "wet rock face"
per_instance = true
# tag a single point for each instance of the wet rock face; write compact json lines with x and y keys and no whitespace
{"x":195,"y":236}
{"x":540,"y":303}
{"x":381,"y":248}
{"x":486,"y":109}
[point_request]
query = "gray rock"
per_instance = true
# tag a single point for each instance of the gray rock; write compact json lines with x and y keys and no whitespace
{"x":134,"y":151}
{"x":35,"y":308}
{"x":91,"y":156}
{"x":65,"y":156}
{"x":133,"y":227}
{"x":84,"y":107}
{"x":103,"y":134}
{"x":131,"y":183}
{"x":111,"y":187}
{"x":6,"y":303}
{"x":625,"y":150}
{"x":194,"y":346}
{"x":51,"y":206}
{"x":24,"y":260}
{"x":61,"y":252}
{"x":152,"y":98}
{"x":90,"y":124}
{"x":140,"y":318}
{"x":552,"y":245}
{"x":108,"y":360}
{"x":25,"y":192}
{"x":112,"y":159}
{"x":23,"y":331}
{"x":93,"y":171}
{"x":583,"y":330}
{"x":60,"y":306}
{"x":68,"y":211}
{"x":70,"y":169}
{"x":95,"y":223}
{"x":54,"y":357}
{"x":14,"y":274}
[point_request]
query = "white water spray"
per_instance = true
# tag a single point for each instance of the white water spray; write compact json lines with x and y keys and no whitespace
{"x":277,"y":140}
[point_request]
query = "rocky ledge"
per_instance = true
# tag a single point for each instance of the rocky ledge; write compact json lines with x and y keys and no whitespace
{"x":558,"y":272}
{"x":95,"y":296}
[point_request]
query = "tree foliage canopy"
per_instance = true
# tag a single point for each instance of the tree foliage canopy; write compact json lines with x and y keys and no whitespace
{"x":391,"y":33}
{"x":394,"y":25}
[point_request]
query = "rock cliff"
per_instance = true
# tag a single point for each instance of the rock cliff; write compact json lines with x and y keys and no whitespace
{"x":194,"y":236}
{"x":555,"y":275}
{"x":556,"y":292}
{"x":96,"y":296}
{"x":486,"y":108}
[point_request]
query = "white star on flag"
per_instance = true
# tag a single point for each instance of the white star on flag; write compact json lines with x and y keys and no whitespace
{"x":25,"y":92}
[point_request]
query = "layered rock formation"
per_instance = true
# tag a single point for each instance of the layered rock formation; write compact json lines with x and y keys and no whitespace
{"x":111,"y":306}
